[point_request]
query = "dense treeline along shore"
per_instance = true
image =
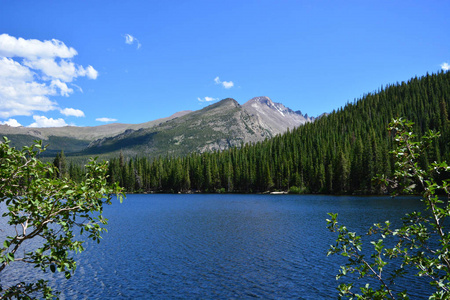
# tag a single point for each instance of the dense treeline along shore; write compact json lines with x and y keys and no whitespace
{"x":337,"y":154}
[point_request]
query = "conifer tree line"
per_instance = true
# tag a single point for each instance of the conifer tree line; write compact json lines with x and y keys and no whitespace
{"x":337,"y":154}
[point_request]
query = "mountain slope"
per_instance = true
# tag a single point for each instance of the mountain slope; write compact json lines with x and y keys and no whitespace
{"x":216,"y":127}
{"x":73,"y":139}
{"x":274,"y":117}
{"x":84,"y":133}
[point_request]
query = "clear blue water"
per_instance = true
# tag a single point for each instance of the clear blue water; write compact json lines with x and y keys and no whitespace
{"x":223,"y":247}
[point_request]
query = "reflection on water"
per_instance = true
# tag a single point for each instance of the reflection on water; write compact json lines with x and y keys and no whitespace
{"x":221,"y":247}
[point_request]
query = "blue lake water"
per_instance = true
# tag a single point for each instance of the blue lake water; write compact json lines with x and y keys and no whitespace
{"x":223,"y":247}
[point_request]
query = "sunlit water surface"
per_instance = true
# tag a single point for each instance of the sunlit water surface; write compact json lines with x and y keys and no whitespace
{"x":222,"y":247}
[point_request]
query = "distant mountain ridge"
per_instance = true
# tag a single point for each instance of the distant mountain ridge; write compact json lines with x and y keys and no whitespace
{"x":87,"y":132}
{"x":219,"y":126}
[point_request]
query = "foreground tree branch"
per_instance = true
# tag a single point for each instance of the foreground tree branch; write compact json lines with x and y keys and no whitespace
{"x":55,"y":209}
{"x":422,"y":244}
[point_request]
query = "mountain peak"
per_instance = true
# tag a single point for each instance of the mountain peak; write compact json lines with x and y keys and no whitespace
{"x":227,"y":102}
{"x":262,"y":100}
{"x":273,"y":116}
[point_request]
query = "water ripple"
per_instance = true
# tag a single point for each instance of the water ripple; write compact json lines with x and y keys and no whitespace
{"x":219,"y":247}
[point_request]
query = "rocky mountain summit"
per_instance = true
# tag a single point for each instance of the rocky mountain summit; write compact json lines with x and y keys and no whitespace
{"x":274,"y":117}
{"x":218,"y":126}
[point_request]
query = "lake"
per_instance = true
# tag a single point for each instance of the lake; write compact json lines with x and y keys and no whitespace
{"x":223,"y":247}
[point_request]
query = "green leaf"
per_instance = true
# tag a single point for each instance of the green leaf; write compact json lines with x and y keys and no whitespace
{"x":10,"y":257}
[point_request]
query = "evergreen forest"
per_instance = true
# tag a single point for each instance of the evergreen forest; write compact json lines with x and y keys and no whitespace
{"x":339,"y":153}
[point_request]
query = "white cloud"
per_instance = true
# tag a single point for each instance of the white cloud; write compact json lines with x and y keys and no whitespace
{"x":129,"y":39}
{"x":42,"y":121}
{"x":445,"y":66}
{"x":91,"y":73}
{"x":11,"y":122}
{"x":32,"y":49}
{"x":207,"y":99}
{"x":225,"y":84}
{"x":64,"y":69}
{"x":78,"y":87}
{"x":72,"y":112}
{"x":31,"y":71}
{"x":12,"y":70}
{"x":63,"y":89}
{"x":19,"y":93}
{"x":105,"y":120}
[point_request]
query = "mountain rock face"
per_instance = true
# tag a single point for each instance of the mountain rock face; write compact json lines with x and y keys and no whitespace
{"x":219,"y":126}
{"x":274,"y":117}
{"x":216,"y":127}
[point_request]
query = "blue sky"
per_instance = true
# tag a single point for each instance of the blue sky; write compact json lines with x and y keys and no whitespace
{"x":87,"y":63}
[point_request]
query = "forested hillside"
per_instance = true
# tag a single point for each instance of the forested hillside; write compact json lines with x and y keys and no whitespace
{"x":339,"y":153}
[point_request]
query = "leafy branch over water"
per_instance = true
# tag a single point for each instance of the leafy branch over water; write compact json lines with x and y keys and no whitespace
{"x":421,"y":244}
{"x":46,"y":209}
